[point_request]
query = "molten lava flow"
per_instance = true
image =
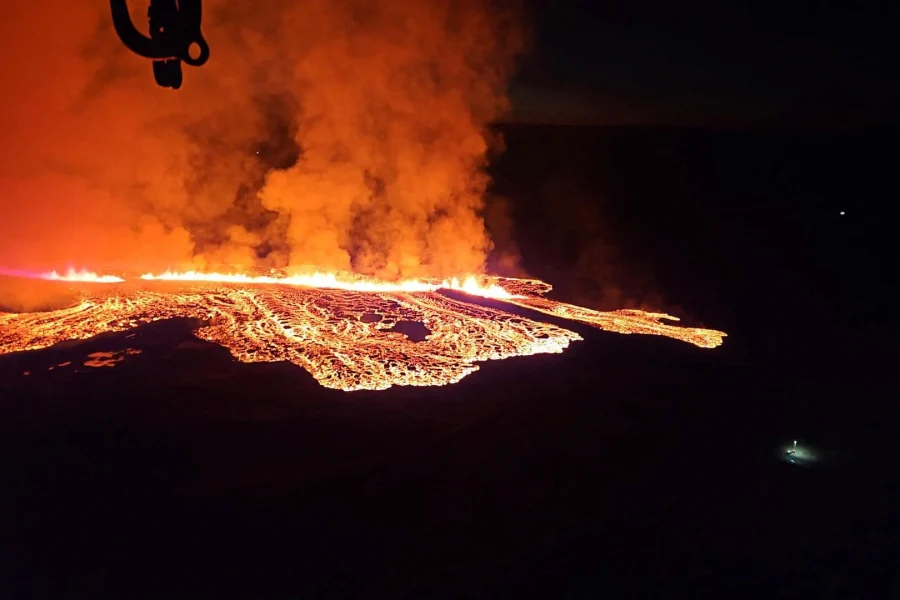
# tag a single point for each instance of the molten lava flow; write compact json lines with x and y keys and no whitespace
{"x":344,"y":338}
{"x":625,"y":321}
{"x":343,"y":330}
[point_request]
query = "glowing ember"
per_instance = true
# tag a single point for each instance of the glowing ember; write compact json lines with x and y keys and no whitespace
{"x":343,"y":330}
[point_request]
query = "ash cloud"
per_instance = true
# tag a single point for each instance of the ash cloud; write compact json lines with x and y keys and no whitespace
{"x":344,"y":135}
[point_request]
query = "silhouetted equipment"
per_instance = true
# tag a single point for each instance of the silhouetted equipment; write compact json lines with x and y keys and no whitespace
{"x":174,"y":32}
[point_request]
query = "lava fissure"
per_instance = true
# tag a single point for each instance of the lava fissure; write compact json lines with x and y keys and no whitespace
{"x":324,"y":323}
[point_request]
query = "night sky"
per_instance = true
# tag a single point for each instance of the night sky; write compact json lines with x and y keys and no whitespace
{"x":711,"y":63}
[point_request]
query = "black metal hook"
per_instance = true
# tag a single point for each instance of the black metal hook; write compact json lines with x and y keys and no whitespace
{"x":174,"y":30}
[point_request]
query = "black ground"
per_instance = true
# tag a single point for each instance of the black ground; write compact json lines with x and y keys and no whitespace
{"x":627,"y":467}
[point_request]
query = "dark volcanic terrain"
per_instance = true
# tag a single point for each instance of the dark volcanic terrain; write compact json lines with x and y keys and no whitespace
{"x":629,"y":466}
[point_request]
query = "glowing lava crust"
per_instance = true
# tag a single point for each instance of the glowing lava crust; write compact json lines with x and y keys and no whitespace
{"x":340,"y":329}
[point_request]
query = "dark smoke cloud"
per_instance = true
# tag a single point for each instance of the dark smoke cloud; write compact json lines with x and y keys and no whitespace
{"x":346,"y":135}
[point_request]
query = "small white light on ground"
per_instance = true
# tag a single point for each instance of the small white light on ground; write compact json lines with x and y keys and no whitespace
{"x":799,"y":455}
{"x":843,"y":213}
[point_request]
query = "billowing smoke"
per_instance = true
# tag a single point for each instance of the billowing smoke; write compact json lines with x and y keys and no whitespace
{"x":341,"y":134}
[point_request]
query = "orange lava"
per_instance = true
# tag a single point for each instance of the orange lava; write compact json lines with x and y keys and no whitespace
{"x":625,"y":321}
{"x":340,"y":328}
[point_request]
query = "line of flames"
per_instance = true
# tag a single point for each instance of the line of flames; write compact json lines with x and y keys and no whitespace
{"x":469,"y":285}
{"x":80,"y":276}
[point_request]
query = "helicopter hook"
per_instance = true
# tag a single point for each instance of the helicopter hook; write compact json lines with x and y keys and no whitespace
{"x":174,"y":32}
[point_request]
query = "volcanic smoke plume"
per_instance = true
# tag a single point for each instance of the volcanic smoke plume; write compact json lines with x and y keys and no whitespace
{"x":349,"y":135}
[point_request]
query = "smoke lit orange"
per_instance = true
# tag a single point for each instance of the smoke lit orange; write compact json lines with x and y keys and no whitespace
{"x":341,"y":330}
{"x":350,"y":135}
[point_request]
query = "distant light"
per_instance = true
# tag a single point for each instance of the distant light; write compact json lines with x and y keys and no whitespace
{"x":843,"y":213}
{"x":801,"y":456}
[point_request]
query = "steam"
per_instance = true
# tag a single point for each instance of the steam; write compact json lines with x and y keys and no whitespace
{"x":339,"y":134}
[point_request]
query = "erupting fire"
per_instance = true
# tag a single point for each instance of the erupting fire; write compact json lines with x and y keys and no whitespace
{"x":343,"y":330}
{"x":470,"y":285}
{"x":352,"y":136}
{"x":83,"y":276}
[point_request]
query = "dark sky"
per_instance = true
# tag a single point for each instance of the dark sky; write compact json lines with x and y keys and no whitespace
{"x":704,"y":62}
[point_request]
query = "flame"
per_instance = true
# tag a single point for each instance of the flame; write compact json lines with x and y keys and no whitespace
{"x":82,"y":276}
{"x":469,"y":285}
{"x":345,"y":330}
